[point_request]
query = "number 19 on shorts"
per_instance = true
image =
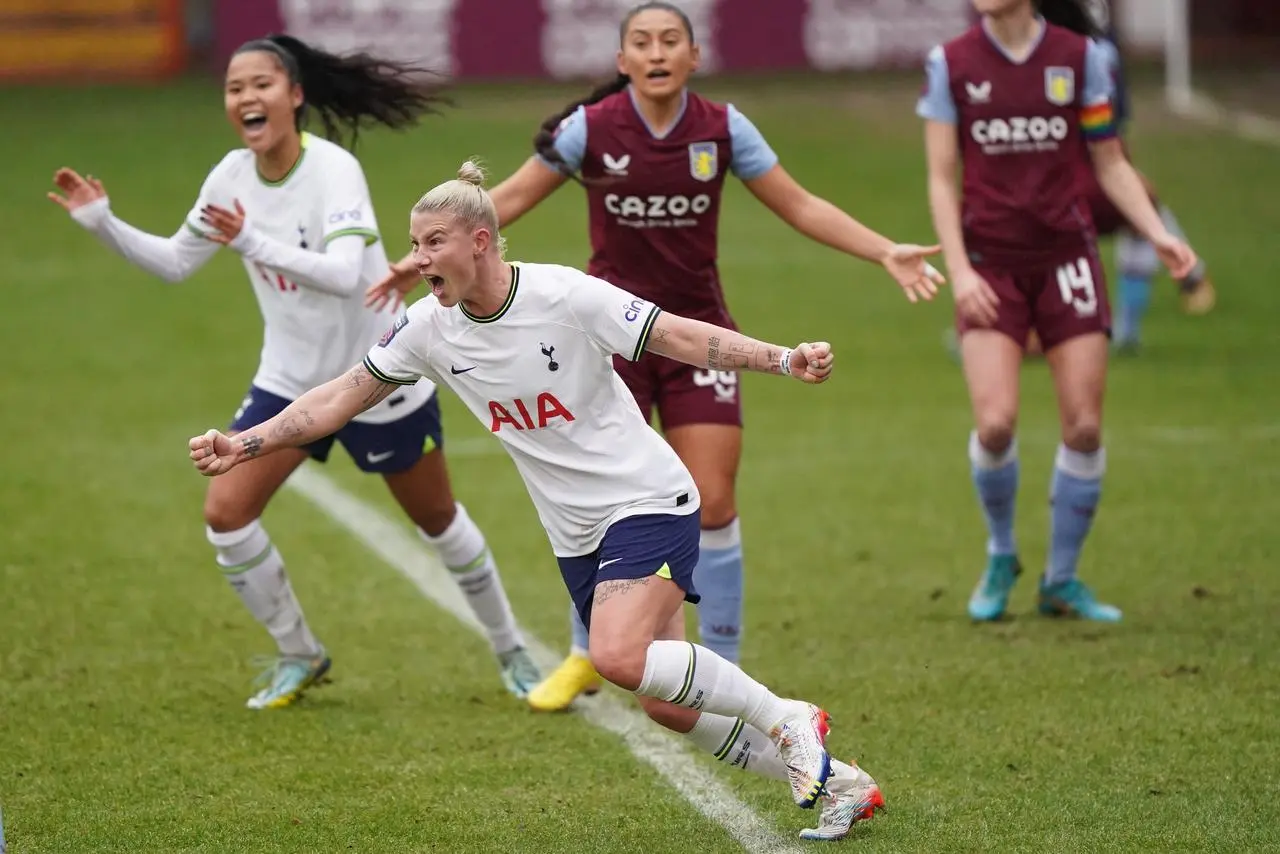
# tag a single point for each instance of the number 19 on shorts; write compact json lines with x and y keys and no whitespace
{"x":1075,"y":281}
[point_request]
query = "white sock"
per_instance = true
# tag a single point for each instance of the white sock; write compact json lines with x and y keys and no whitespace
{"x":739,"y":745}
{"x":463,"y":550}
{"x":254,"y":569}
{"x":695,"y":677}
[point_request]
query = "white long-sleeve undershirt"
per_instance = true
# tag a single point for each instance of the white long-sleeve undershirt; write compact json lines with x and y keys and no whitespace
{"x":335,"y":271}
{"x":171,"y":258}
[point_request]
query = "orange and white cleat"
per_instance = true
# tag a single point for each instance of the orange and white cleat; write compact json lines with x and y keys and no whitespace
{"x":850,"y":796}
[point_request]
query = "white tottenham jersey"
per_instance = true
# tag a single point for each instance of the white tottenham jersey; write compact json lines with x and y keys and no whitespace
{"x":310,"y":337}
{"x":539,"y":374}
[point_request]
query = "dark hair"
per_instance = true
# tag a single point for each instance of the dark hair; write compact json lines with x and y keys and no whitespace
{"x":351,"y":91}
{"x":1074,"y":15}
{"x":544,"y":141}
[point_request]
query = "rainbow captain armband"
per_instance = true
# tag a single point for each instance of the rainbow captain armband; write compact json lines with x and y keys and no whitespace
{"x":1098,"y":122}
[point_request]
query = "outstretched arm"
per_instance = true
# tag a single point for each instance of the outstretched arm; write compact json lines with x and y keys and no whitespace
{"x":816,"y":218}
{"x":820,"y":220}
{"x":525,"y":189}
{"x":705,"y":345}
{"x":320,"y":412}
{"x":171,"y":258}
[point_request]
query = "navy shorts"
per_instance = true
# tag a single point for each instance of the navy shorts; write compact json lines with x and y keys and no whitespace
{"x":376,"y":448}
{"x":637,"y":547}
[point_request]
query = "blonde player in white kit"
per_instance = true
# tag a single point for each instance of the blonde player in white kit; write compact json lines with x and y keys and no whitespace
{"x":528,"y":348}
{"x":297,"y":208}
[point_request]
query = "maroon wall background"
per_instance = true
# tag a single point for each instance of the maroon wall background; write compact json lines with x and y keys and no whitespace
{"x":577,"y":38}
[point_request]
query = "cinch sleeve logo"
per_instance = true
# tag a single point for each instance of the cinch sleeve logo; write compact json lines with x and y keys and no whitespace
{"x":634,"y":309}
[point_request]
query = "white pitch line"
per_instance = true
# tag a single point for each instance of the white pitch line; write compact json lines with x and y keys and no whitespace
{"x":668,"y":755}
{"x":1242,"y":123}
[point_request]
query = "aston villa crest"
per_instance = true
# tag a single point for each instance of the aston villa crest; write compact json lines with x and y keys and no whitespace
{"x":1060,"y":85}
{"x":704,"y":162}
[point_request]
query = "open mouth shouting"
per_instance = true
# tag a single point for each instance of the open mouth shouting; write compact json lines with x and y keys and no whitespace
{"x":253,"y":124}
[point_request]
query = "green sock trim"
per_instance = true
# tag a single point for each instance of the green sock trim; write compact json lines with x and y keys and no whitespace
{"x":723,"y":751}
{"x":248,"y":564}
{"x":475,"y":564}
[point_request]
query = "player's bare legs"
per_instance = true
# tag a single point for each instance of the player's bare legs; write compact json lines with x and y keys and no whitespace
{"x":629,"y":616}
{"x":423,"y":491}
{"x":673,"y":717}
{"x":991,"y":365}
{"x":255,"y":570}
{"x":712,"y":453}
{"x":1079,"y":367}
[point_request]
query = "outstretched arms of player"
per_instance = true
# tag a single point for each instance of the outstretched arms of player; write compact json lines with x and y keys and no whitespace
{"x":171,"y":258}
{"x":320,"y":412}
{"x":525,"y":189}
{"x":819,"y":220}
{"x":1127,"y":190}
{"x":705,"y":345}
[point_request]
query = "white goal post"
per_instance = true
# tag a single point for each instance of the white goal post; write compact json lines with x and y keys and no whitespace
{"x":1181,"y":95}
{"x":1177,"y":56}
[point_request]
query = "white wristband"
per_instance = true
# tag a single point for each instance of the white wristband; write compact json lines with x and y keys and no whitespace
{"x":785,"y":363}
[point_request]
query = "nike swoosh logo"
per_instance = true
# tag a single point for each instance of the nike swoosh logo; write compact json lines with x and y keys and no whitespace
{"x":456,"y":371}
{"x":377,"y":458}
{"x":605,"y":563}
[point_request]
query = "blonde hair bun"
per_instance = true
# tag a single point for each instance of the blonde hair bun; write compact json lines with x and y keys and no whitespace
{"x":471,"y":172}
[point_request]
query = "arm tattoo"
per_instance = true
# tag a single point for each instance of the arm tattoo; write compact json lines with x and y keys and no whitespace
{"x":359,"y":375}
{"x":606,"y":590}
{"x":658,"y":335}
{"x":251,"y":444}
{"x":291,"y":426}
{"x":747,"y":355}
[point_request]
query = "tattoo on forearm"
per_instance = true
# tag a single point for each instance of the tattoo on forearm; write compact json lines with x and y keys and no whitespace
{"x":359,"y":375}
{"x":606,"y":590}
{"x":252,"y":445}
{"x":293,"y":425}
{"x":658,"y":336}
{"x":379,"y":393}
{"x":747,"y":355}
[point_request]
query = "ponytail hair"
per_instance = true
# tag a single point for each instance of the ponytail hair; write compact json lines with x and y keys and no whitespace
{"x":351,"y":91}
{"x":544,"y":141}
{"x":1079,"y":16}
{"x":466,"y":199}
